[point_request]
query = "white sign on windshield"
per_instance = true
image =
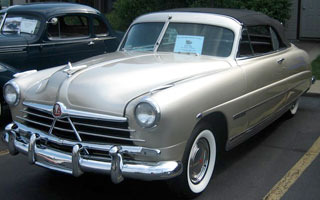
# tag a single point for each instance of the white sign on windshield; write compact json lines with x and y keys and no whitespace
{"x":28,"y":25}
{"x":189,"y":44}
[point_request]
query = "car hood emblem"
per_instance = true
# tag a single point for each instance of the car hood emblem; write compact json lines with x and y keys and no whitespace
{"x":57,"y":110}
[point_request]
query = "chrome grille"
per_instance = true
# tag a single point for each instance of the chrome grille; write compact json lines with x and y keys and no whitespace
{"x":70,"y":127}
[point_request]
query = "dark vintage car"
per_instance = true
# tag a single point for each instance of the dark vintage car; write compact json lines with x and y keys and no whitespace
{"x":43,"y":35}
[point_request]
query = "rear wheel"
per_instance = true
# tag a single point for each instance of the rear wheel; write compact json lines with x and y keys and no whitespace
{"x":293,"y":109}
{"x":198,"y":163}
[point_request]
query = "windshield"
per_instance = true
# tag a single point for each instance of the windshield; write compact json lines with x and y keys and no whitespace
{"x":20,"y":24}
{"x":142,"y":37}
{"x":189,"y":38}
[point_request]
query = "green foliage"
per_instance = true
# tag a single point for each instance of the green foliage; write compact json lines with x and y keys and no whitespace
{"x":278,"y":9}
{"x":125,"y":11}
{"x":316,"y":68}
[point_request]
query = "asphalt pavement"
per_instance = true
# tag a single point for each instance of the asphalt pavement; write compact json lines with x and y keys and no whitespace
{"x":249,"y":171}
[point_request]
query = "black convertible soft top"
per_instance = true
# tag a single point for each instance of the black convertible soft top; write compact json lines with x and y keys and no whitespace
{"x":246,"y":17}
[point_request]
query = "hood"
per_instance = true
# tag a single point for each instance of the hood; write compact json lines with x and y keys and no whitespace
{"x":105,"y":84}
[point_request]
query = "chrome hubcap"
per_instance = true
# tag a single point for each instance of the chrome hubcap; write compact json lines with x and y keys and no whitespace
{"x":199,"y":160}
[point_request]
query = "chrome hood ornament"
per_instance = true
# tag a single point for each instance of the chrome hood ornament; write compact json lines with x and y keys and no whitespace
{"x":70,"y":70}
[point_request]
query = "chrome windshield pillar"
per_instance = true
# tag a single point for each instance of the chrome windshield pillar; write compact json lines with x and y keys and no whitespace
{"x":116,"y":164}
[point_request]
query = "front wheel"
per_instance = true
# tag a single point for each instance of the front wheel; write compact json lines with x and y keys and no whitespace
{"x":198,"y":164}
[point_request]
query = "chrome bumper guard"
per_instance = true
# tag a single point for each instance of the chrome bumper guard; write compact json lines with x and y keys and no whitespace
{"x":76,"y":164}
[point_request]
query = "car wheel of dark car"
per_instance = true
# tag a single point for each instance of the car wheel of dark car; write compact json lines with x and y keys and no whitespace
{"x":198,"y":163}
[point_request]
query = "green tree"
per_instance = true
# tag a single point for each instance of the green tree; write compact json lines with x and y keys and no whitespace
{"x":125,"y":11}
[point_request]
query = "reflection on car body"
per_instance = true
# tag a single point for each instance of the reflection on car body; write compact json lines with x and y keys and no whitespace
{"x":166,"y":103}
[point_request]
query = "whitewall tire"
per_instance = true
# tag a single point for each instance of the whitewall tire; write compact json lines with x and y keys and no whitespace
{"x":201,"y":162}
{"x":198,"y":161}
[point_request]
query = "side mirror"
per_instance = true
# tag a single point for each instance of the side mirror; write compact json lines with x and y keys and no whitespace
{"x":53,"y":21}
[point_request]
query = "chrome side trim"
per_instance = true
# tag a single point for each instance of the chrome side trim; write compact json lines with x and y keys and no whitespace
{"x":13,"y":50}
{"x":235,"y":141}
{"x":243,"y":113}
{"x":76,"y":113}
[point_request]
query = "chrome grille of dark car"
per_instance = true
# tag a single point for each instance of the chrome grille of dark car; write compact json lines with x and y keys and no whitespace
{"x":89,"y":130}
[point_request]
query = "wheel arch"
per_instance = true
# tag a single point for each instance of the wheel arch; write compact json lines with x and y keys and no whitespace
{"x":218,"y":122}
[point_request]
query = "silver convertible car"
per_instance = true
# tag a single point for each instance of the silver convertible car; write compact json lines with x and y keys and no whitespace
{"x":184,"y":85}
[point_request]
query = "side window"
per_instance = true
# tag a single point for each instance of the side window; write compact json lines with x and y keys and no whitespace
{"x":72,"y":26}
{"x":276,"y":41}
{"x":260,"y":38}
{"x":245,"y":47}
{"x":100,"y":28}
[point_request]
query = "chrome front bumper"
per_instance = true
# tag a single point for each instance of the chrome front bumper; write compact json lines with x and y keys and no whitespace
{"x":21,"y":139}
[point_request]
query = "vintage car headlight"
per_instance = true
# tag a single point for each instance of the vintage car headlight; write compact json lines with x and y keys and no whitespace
{"x":11,"y":93}
{"x":147,"y":114}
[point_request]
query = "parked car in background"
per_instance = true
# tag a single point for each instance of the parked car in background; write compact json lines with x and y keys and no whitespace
{"x":183,"y":86}
{"x":43,"y":35}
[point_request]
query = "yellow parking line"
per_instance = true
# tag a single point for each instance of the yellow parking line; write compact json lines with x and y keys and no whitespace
{"x":4,"y":152}
{"x":294,"y":173}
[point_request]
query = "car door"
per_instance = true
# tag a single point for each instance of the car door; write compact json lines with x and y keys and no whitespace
{"x":69,"y":39}
{"x":104,"y":38}
{"x":262,"y":62}
{"x":13,"y":40}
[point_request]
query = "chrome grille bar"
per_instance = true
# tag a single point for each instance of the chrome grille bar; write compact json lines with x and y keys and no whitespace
{"x":102,"y":127}
{"x":110,"y":137}
{"x":34,"y":122}
{"x":37,"y":115}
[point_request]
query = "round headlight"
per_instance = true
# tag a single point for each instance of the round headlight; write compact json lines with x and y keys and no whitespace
{"x":147,"y":114}
{"x":11,"y":93}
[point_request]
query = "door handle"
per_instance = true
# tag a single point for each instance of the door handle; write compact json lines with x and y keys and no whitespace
{"x":280,"y":61}
{"x":91,"y":43}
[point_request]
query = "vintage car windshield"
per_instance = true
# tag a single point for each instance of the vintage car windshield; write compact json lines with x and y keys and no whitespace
{"x":142,"y":37}
{"x":187,"y":38}
{"x":198,"y":39}
{"x":20,"y":25}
